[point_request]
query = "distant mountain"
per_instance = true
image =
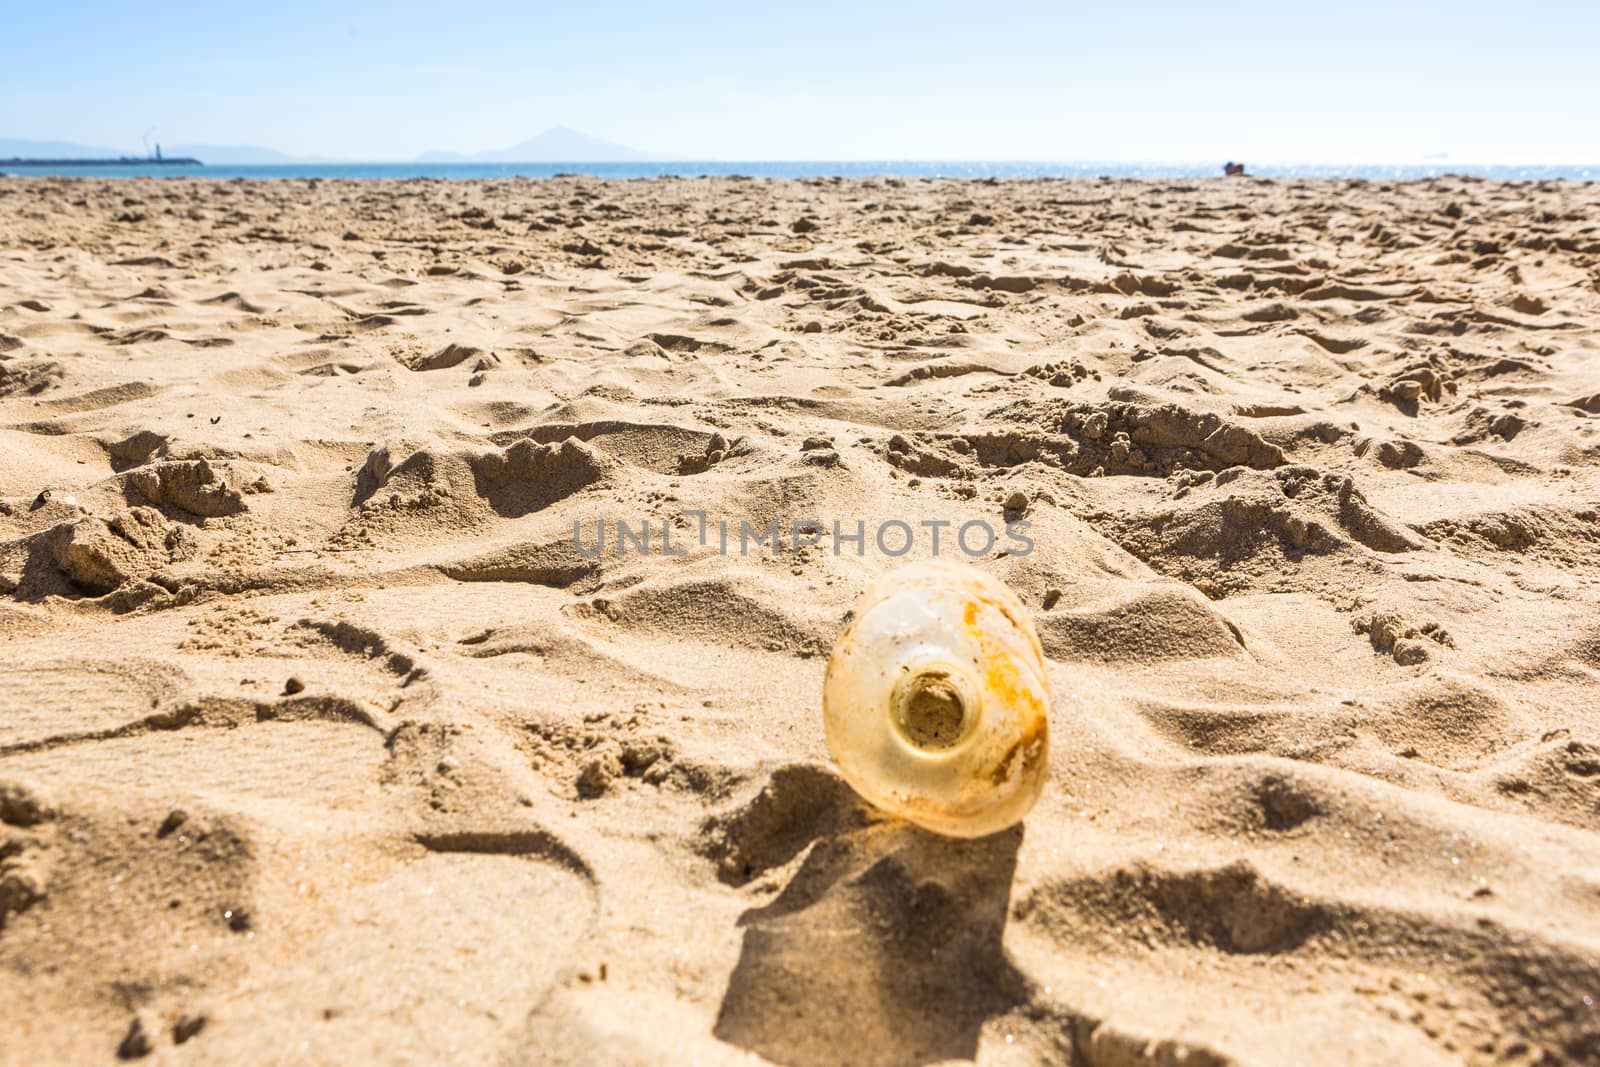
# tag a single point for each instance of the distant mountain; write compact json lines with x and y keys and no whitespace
{"x":219,"y":154}
{"x":11,"y":147}
{"x":230,"y":154}
{"x":556,"y":145}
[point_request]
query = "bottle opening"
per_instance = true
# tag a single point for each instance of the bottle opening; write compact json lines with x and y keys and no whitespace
{"x":930,"y":711}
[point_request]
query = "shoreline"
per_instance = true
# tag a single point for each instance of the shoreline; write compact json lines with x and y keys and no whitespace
{"x":859,"y":170}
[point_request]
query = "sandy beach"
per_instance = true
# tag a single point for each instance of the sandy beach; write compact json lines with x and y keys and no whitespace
{"x":324,"y":740}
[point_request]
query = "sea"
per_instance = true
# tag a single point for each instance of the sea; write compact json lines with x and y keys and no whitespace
{"x":813,"y":169}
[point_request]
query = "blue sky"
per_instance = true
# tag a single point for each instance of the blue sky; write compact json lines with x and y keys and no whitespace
{"x":1271,"y":82}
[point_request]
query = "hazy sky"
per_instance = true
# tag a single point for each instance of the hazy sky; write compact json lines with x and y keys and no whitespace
{"x":1288,"y":81}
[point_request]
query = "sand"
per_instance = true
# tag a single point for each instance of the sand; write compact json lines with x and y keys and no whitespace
{"x":322,"y":741}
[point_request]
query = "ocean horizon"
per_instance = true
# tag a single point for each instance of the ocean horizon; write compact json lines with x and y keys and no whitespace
{"x":815,"y":169}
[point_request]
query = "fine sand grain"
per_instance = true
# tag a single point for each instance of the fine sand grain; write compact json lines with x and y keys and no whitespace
{"x":322,"y":742}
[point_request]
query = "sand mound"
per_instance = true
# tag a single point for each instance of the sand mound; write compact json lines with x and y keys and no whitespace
{"x":526,"y":476}
{"x":195,"y":487}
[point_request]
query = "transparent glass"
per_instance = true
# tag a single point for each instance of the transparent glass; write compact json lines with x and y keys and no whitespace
{"x":936,"y":703}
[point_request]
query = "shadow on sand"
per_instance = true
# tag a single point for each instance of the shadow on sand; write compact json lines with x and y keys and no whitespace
{"x":884,"y":950}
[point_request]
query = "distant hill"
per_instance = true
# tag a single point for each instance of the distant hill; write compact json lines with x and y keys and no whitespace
{"x":12,"y":147}
{"x":219,"y":154}
{"x":559,"y":144}
{"x":230,"y":154}
{"x":556,"y":145}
